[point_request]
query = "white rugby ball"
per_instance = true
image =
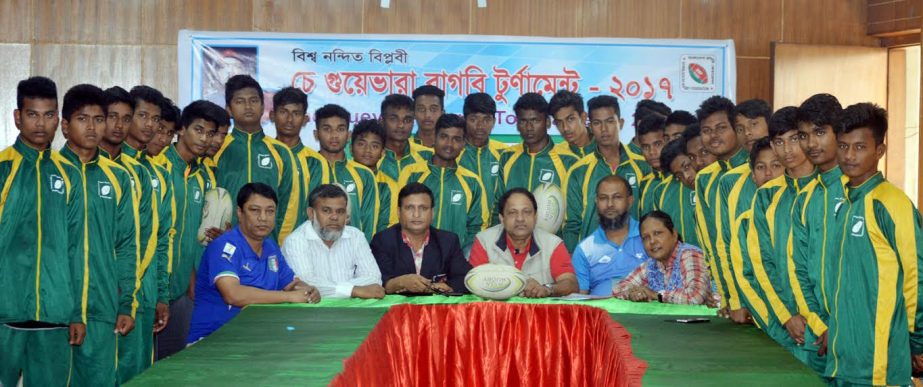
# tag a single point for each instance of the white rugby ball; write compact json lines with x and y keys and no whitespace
{"x":216,"y":213}
{"x":551,"y":209}
{"x":495,"y":282}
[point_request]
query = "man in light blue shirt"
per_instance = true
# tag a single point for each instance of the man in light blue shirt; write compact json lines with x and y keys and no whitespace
{"x":615,"y":249}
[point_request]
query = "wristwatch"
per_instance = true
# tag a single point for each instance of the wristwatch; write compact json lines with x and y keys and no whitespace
{"x":550,"y":287}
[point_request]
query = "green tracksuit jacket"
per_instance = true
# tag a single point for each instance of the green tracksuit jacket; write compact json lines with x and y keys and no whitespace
{"x":872,"y":287}
{"x":581,"y":218}
{"x":254,"y":157}
{"x":110,"y":245}
{"x":814,"y":223}
{"x":649,"y":191}
{"x":414,"y":153}
{"x":157,"y":255}
{"x":460,"y":207}
{"x":678,"y":201}
{"x":707,"y":212}
{"x":41,"y":229}
{"x":736,"y":191}
{"x":485,"y":163}
{"x":767,"y":244}
{"x":189,"y":183}
{"x":526,"y":170}
{"x":565,"y":148}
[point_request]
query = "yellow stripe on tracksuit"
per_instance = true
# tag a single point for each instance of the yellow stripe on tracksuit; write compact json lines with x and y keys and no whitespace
{"x":756,"y":302}
{"x":816,"y":324}
{"x":291,"y":208}
{"x":703,"y":234}
{"x":753,"y":245}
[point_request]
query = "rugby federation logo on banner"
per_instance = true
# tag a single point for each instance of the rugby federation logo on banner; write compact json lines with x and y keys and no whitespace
{"x":698,"y":73}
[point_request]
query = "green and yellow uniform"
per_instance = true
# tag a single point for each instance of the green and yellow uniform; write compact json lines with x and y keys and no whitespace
{"x":43,"y":274}
{"x":678,"y":201}
{"x":707,"y":205}
{"x":387,"y":199}
{"x":414,"y":153}
{"x":768,"y":243}
{"x":362,"y":189}
{"x":460,"y":206}
{"x":311,"y":173}
{"x":189,"y":183}
{"x":581,"y":219}
{"x":567,"y":149}
{"x":485,"y":163}
{"x":635,"y":152}
{"x":155,"y":216}
{"x":871,"y":287}
{"x":813,"y":220}
{"x":650,"y":191}
{"x":736,"y":190}
{"x":255,"y":158}
{"x":528,"y":170}
{"x":110,"y":256}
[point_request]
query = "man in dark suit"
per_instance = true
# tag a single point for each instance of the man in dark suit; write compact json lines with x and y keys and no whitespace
{"x":414,"y":257}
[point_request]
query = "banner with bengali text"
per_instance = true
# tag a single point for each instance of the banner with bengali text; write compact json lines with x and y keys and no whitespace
{"x":357,"y":71}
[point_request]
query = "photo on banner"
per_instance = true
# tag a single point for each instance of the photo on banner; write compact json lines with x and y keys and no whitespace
{"x":358,"y":71}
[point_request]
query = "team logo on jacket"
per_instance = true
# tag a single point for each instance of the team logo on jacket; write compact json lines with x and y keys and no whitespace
{"x":632,"y":180}
{"x":692,"y":197}
{"x":350,"y":186}
{"x":273,"y":264}
{"x":197,"y":196}
{"x":105,"y":190}
{"x":494,"y":169}
{"x":857,"y":226}
{"x":545,"y":176}
{"x":457,"y":198}
{"x":57,"y":184}
{"x":605,"y":259}
{"x":228,"y":251}
{"x":155,"y":184}
{"x":265,"y":161}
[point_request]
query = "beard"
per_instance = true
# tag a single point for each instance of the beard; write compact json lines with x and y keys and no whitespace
{"x":326,"y":235}
{"x":615,"y":223}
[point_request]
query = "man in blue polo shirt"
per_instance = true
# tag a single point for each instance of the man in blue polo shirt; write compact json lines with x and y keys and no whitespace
{"x":243,"y":266}
{"x":615,"y":249}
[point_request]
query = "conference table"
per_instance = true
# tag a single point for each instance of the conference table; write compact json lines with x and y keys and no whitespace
{"x":306,"y":344}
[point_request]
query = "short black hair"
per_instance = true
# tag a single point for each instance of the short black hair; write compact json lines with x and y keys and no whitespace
{"x":715,"y":104}
{"x":670,"y":152}
{"x":864,"y":115}
{"x":203,"y":109}
{"x":147,"y":94}
{"x":604,"y":101}
{"x":116,"y":94}
{"x":330,"y":110}
{"x":693,"y":130}
{"x":413,"y":189}
{"x":501,"y":203}
{"x":663,"y":217}
{"x":752,"y":108}
{"x":531,"y":101}
{"x":251,"y":189}
{"x":238,"y":83}
{"x":759,"y":145}
{"x":429,"y":90}
{"x":35,"y":87}
{"x":783,"y":120}
{"x":450,"y":121}
{"x":326,"y":191}
{"x":648,"y":107}
{"x":565,"y":98}
{"x":680,"y":117}
{"x":820,"y":109}
{"x":617,"y":178}
{"x":82,"y":95}
{"x":225,"y":118}
{"x":650,"y":124}
{"x":396,"y":101}
{"x":169,"y":112}
{"x":368,"y":126}
{"x":290,"y":96}
{"x":479,"y":103}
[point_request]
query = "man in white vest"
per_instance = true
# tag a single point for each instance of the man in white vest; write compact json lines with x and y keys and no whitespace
{"x":516,"y":242}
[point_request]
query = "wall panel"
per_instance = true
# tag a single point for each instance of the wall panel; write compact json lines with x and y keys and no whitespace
{"x":88,"y":21}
